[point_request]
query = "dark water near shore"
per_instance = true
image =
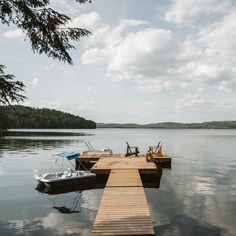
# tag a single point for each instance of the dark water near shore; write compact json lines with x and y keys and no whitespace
{"x":196,"y":197}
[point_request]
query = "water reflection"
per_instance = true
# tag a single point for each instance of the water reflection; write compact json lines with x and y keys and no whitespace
{"x":196,"y":197}
{"x":64,"y":204}
{"x":51,"y":224}
{"x":62,"y":214}
{"x":45,"y":133}
{"x":184,"y":225}
{"x":72,"y":208}
{"x":32,"y":146}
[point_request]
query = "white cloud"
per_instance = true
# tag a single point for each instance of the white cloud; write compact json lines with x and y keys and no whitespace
{"x":184,"y":12}
{"x":192,"y":101}
{"x":70,"y":8}
{"x":95,"y":56}
{"x":89,"y":21}
{"x":220,"y":36}
{"x":217,"y":42}
{"x":145,"y":48}
{"x":142,"y":55}
{"x":34,"y":81}
{"x":101,"y":32}
{"x":196,"y":104}
{"x":195,"y":108}
{"x":90,"y":88}
{"x":137,"y":56}
{"x":154,"y":58}
{"x":227,"y":86}
{"x":14,"y":34}
{"x":125,"y":24}
{"x":224,"y":86}
{"x":200,"y":90}
{"x":105,"y":37}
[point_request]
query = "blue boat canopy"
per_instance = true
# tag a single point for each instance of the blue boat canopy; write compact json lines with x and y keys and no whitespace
{"x":68,"y":155}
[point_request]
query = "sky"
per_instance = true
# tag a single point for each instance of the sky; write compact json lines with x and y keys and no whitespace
{"x":145,"y":62}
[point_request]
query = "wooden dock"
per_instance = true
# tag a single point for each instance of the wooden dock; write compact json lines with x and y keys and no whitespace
{"x":105,"y":165}
{"x":97,"y":156}
{"x":124,"y":178}
{"x":123,"y":209}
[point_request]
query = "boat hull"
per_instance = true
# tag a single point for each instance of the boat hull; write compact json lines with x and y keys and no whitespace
{"x":54,"y":182}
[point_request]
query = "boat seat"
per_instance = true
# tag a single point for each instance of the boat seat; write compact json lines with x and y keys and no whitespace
{"x":58,"y":175}
{"x":67,"y":173}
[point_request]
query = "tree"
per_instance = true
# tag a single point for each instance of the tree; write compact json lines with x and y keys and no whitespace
{"x":33,"y":118}
{"x":47,"y":33}
{"x":9,"y":89}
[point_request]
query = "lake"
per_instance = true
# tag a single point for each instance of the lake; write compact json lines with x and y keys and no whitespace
{"x":197,"y":196}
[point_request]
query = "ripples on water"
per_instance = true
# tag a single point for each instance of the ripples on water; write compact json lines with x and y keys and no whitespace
{"x":196,"y":197}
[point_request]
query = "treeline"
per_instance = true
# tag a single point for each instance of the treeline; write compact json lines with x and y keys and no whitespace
{"x":22,"y":117}
{"x":174,"y":125}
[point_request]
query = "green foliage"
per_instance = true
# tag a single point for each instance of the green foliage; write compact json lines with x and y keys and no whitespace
{"x":35,"y":118}
{"x":44,"y":26}
{"x":174,"y":125}
{"x":10,"y":90}
{"x":3,"y":122}
{"x":47,"y":33}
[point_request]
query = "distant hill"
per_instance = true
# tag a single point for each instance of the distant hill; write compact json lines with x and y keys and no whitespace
{"x":174,"y":125}
{"x":34,"y":118}
{"x":20,"y":117}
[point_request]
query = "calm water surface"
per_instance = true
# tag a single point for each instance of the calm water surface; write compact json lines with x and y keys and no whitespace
{"x":196,"y":197}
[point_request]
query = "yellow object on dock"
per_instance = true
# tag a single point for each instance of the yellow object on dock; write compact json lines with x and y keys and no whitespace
{"x":156,"y":151}
{"x":123,"y":209}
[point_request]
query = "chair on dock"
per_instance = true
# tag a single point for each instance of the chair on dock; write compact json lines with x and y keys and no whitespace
{"x":131,"y":150}
{"x":154,"y":151}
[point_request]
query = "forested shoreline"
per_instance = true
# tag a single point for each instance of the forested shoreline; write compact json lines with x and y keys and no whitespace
{"x":173,"y":125}
{"x":22,"y":117}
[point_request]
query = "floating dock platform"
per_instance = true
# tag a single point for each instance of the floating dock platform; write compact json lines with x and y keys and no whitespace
{"x":97,"y":156}
{"x":105,"y":165}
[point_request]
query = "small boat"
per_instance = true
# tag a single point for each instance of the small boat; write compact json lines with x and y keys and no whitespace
{"x":67,"y":177}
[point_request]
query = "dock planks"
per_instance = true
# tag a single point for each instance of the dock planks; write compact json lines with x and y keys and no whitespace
{"x":104,"y":165}
{"x":123,"y":209}
{"x":96,"y":157}
{"x":124,"y":178}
